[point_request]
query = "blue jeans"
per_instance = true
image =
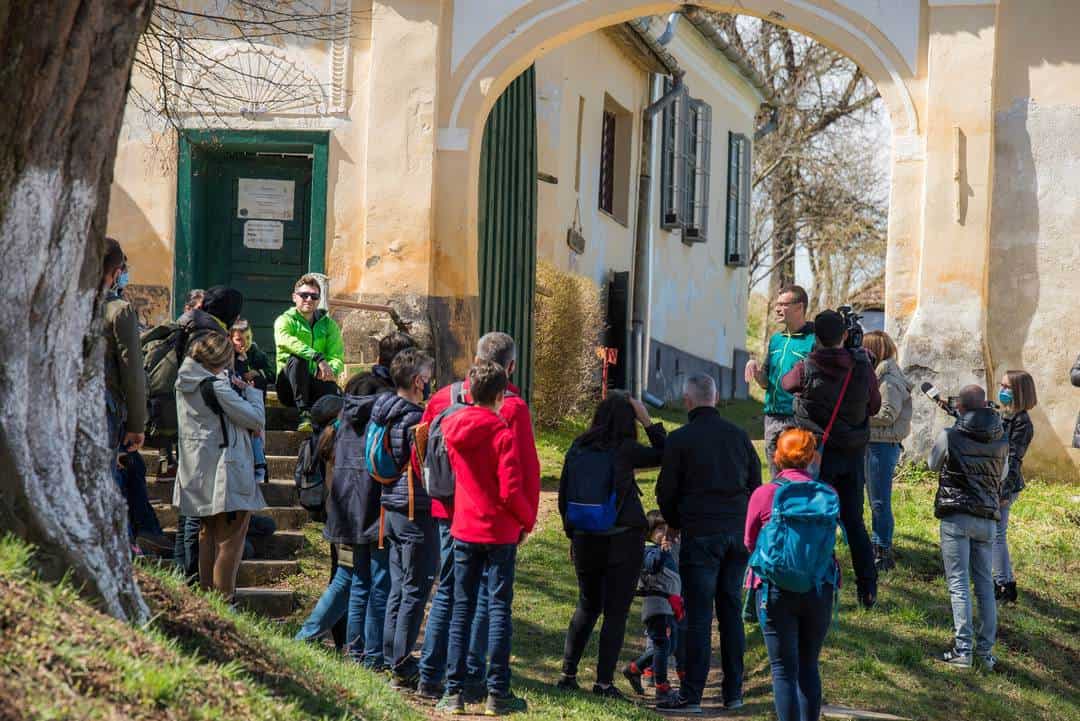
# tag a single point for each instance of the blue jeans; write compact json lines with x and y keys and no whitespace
{"x":258,"y":452}
{"x":186,"y":546}
{"x":794,"y":626}
{"x":1002,"y":563}
{"x":368,"y":592}
{"x":413,"y":558}
{"x":132,"y":478}
{"x":659,"y":647}
{"x":471,"y":561}
{"x":437,"y":631}
{"x":332,"y":606}
{"x":967,"y":550}
{"x":881,"y":460}
{"x":712,"y":569}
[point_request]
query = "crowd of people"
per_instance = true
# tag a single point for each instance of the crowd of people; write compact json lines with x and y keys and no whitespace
{"x":438,"y":491}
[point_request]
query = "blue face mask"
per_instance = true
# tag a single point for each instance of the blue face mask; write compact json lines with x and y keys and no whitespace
{"x":122,"y":281}
{"x":1005,"y":396}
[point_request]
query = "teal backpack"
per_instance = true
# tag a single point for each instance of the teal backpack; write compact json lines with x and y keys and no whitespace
{"x":794,"y":550}
{"x":379,"y":456}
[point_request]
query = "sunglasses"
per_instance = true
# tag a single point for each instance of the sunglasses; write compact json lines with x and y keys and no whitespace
{"x":309,"y":296}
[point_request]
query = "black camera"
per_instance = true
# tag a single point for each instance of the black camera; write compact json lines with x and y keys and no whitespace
{"x":852,"y":326}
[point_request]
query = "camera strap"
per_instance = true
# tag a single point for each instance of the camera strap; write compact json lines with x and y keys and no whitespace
{"x":836,"y":409}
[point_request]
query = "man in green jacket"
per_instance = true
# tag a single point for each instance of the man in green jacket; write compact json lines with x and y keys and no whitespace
{"x":310,"y":352}
{"x":791,"y":344}
{"x":125,"y":380}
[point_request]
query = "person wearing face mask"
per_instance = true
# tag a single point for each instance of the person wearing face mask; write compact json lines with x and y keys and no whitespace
{"x":1017,"y":396}
{"x":125,"y":381}
{"x":310,"y":352}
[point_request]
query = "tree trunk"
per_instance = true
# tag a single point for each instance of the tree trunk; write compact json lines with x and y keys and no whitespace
{"x":64,"y":70}
{"x":784,"y":233}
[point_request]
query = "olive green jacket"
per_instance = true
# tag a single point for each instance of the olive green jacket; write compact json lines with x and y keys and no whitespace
{"x":125,"y":378}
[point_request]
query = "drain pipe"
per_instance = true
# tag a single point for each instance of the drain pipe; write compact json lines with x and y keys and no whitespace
{"x":643,"y":232}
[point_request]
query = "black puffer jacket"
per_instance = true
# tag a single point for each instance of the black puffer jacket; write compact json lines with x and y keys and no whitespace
{"x":400,"y":416}
{"x":629,"y":456}
{"x":1020,"y":431}
{"x":970,"y":480}
{"x":1074,"y":376}
{"x":352,"y":508}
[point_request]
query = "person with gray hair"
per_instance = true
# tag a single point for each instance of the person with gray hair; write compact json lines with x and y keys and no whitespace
{"x":971,"y":459}
{"x":709,"y":470}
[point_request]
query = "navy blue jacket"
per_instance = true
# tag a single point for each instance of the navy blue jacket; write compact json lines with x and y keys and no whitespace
{"x":399,"y":416}
{"x":352,"y":508}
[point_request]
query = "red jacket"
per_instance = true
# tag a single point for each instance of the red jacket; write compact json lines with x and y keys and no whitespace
{"x":491,"y":504}
{"x":516,"y":413}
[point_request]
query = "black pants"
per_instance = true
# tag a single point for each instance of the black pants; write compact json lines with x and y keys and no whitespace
{"x":607,"y":573}
{"x":296,"y":386}
{"x":845,"y":471}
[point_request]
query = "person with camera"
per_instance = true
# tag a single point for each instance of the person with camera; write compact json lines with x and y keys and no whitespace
{"x":972,"y":462}
{"x":788,"y":346}
{"x":836,"y":392}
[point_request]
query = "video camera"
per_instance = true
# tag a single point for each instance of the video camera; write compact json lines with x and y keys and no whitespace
{"x":852,"y":326}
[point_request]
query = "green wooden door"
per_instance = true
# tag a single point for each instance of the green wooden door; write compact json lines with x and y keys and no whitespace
{"x":507,"y":249}
{"x":256,"y":231}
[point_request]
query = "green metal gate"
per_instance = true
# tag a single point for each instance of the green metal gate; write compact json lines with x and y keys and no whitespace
{"x":508,"y":220}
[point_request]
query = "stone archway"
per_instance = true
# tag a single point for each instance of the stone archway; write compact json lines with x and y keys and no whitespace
{"x":941,"y":154}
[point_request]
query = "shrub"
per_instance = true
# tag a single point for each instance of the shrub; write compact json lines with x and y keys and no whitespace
{"x":569,"y":322}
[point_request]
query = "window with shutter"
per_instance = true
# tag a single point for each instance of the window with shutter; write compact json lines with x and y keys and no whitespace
{"x":737,"y":229}
{"x":696,"y":171}
{"x":607,"y":163}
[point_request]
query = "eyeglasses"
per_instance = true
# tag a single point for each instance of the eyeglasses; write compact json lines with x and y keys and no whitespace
{"x":309,"y":296}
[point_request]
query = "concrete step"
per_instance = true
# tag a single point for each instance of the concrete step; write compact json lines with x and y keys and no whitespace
{"x":265,"y":572}
{"x":283,"y":545}
{"x":280,"y":418}
{"x":276,"y":493}
{"x":284,"y":443}
{"x":269,"y":602}
{"x":287,"y":518}
{"x":279,"y":467}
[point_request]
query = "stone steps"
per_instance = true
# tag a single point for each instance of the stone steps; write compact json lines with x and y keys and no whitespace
{"x":282,"y":546}
{"x":259,"y":572}
{"x":287,"y":518}
{"x":269,"y":602}
{"x":275,"y":493}
{"x":278,"y":467}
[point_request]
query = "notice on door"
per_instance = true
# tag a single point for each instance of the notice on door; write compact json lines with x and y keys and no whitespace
{"x":264,"y":234}
{"x":265,"y":198}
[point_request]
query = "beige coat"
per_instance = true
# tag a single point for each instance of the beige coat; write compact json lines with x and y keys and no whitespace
{"x":892,"y":424}
{"x":211,"y":479}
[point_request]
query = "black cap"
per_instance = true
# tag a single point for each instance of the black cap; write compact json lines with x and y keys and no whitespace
{"x":829,"y":327}
{"x":223,"y":303}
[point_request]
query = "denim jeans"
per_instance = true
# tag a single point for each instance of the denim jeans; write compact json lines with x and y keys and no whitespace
{"x":967,"y":550}
{"x":712,"y":569}
{"x":659,"y":648}
{"x":437,"y":631}
{"x":471,"y":561}
{"x":881,"y":460}
{"x":369,"y":589}
{"x":845,"y":471}
{"x":132,"y":476}
{"x":186,"y":546}
{"x":793,"y":626}
{"x":413,"y":558}
{"x":1003,"y":570}
{"x":258,"y":452}
{"x":332,"y":606}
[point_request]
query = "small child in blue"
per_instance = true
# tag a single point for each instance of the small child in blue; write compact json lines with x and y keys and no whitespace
{"x":661,"y":609}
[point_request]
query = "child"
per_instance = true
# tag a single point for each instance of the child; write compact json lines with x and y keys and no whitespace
{"x":492,"y":516}
{"x":1017,"y":396}
{"x":252,"y":365}
{"x":661,"y":608}
{"x":406,"y":520}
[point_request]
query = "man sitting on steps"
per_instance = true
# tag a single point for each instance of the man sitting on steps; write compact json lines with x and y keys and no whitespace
{"x":310,"y":352}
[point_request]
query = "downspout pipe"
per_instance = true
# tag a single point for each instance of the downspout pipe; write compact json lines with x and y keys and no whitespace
{"x":642,"y":245}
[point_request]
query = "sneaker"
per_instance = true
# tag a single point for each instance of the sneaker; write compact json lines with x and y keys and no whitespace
{"x":663,"y":691}
{"x":734,"y":704}
{"x":404,"y":681}
{"x":987,"y":663}
{"x":430,"y":691}
{"x":633,"y":677}
{"x":1010,"y":592}
{"x":475,"y":691}
{"x":999,"y":592}
{"x":647,"y":678}
{"x":952,"y":657}
{"x":677,"y":703}
{"x":608,"y":691}
{"x":452,"y":704}
{"x":502,"y":705}
{"x":867,"y":599}
{"x":305,"y":422}
{"x":567,"y":683}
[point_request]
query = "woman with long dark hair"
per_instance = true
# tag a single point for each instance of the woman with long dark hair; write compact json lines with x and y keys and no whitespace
{"x":606,"y":539}
{"x":1017,"y":396}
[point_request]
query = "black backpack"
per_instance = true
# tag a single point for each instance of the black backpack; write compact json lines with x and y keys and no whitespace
{"x":591,"y":503}
{"x":163,"y":350}
{"x":439,"y":481}
{"x":310,"y":474}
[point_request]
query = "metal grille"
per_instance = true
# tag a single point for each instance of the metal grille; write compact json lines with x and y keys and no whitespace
{"x":696,"y":171}
{"x":607,"y":164}
{"x":737,"y":230}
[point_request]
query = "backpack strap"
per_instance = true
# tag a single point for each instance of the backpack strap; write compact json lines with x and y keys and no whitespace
{"x":836,"y":408}
{"x":206,"y":390}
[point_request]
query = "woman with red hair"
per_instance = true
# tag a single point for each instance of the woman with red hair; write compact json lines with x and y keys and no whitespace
{"x":793,"y":623}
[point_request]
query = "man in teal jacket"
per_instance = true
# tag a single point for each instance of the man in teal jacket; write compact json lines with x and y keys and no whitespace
{"x":310,"y":352}
{"x":786,"y":348}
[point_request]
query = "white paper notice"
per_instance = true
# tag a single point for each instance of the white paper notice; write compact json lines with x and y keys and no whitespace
{"x":264,"y":234}
{"x":264,"y":198}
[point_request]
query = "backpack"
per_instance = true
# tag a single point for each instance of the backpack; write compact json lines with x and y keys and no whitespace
{"x":591,"y":505}
{"x":795,"y":548}
{"x":310,"y":478}
{"x":380,"y":456}
{"x":438,"y":474}
{"x":162,"y":349}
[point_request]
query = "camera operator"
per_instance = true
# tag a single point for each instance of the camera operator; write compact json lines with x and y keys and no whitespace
{"x":836,"y":392}
{"x":972,"y":462}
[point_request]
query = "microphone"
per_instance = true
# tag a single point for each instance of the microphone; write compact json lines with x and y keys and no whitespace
{"x":935,"y":395}
{"x":930,"y":391}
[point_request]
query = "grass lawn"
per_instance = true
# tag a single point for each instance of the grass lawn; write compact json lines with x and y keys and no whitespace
{"x":199,"y":660}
